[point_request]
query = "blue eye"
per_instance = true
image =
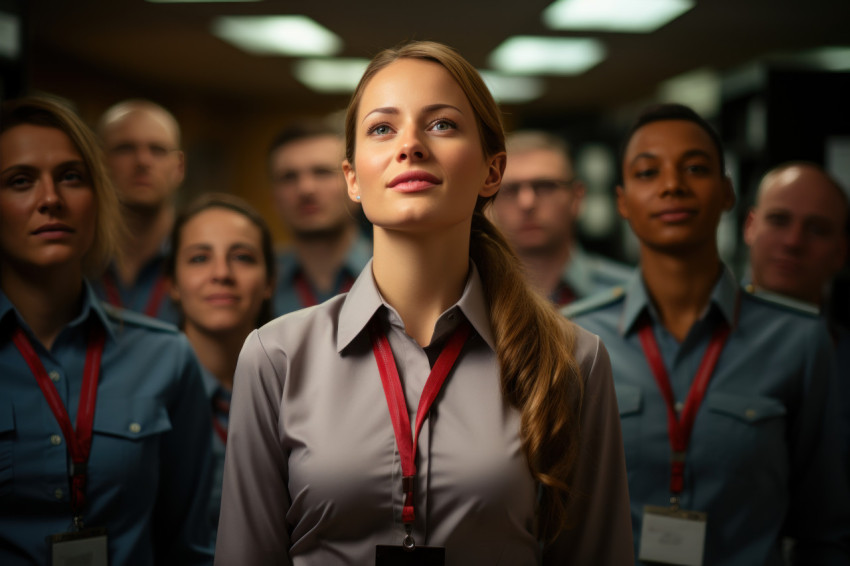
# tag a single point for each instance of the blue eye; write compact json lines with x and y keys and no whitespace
{"x":198,"y":258}
{"x":379,"y":130}
{"x":443,"y":125}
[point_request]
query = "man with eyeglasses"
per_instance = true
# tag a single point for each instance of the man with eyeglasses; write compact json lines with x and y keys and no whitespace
{"x":537,"y":207}
{"x":141,"y":142}
{"x":328,"y":250}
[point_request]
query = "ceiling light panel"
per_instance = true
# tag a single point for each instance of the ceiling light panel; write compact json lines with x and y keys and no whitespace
{"x":297,"y":36}
{"x":634,"y":16}
{"x":529,"y":55}
{"x":332,"y":76}
{"x":510,"y":89}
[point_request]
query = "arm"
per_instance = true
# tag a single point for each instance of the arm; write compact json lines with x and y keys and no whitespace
{"x":182,"y":531}
{"x":255,"y":499}
{"x":819,"y":511}
{"x":599,"y":506}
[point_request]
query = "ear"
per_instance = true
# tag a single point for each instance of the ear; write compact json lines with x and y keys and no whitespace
{"x":621,"y":204}
{"x":749,"y":229}
{"x":579,"y":190}
{"x":173,"y":292}
{"x":351,"y":180}
{"x":181,"y":165}
{"x":729,"y":197}
{"x":495,"y":170}
{"x":840,"y":256}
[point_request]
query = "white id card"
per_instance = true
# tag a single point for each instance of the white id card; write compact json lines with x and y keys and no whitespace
{"x":672,"y":536}
{"x":84,"y":548}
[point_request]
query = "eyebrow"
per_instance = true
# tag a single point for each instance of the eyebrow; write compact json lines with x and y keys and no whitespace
{"x":394,"y":111}
{"x":25,"y":167}
{"x":686,"y":155}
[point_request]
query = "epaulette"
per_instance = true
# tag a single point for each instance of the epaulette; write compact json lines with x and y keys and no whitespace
{"x":593,"y":302}
{"x":133,"y":318}
{"x":788,"y":303}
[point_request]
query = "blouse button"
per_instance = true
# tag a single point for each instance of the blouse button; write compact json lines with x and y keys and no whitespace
{"x":135,"y":428}
{"x":58,"y":493}
{"x":54,"y":375}
{"x":679,"y":406}
{"x":750,"y":413}
{"x":55,"y":439}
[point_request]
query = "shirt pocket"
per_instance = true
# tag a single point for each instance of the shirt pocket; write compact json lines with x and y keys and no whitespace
{"x":7,"y":442}
{"x":748,"y":433}
{"x":126,"y":438}
{"x":630,"y":404}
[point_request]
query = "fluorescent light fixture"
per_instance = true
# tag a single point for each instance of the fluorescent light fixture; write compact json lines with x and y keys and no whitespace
{"x":829,"y":58}
{"x":699,"y":89}
{"x":508,"y":89}
{"x":332,"y":76}
{"x":10,"y":35}
{"x":635,"y":16}
{"x":528,"y":55}
{"x":198,"y":1}
{"x":277,"y":35}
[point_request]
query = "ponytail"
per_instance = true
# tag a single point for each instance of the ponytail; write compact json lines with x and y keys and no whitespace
{"x":539,"y":375}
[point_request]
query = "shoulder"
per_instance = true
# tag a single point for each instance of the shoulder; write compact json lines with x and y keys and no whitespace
{"x":780,"y":304}
{"x":126,"y":319}
{"x":599,"y":301}
{"x":296,"y":328}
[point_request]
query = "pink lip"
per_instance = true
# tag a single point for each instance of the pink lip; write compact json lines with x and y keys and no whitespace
{"x":54,"y":229}
{"x":413,"y":181}
{"x":221,"y":298}
{"x":675,"y":215}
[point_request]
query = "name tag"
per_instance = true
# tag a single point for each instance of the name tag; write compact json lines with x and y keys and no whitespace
{"x":83,"y":548}
{"x":672,"y":536}
{"x":386,"y":555}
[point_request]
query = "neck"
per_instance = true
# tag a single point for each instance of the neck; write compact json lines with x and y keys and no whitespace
{"x":544,"y":267}
{"x":47,"y":300}
{"x":146,"y":230}
{"x":421,"y":276}
{"x":321,"y":258}
{"x":218,"y":352}
{"x":680,"y":285}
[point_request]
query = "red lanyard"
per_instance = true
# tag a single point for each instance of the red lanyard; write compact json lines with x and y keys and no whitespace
{"x":220,"y":407}
{"x":398,"y":406}
{"x":79,"y":441}
{"x":154,"y":299}
{"x":305,"y":292}
{"x":679,"y":428}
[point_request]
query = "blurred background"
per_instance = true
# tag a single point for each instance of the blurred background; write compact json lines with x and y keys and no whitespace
{"x":774,"y":77}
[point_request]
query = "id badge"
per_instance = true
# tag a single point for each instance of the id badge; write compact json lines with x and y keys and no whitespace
{"x":672,"y":536}
{"x":386,"y":555}
{"x":83,"y":548}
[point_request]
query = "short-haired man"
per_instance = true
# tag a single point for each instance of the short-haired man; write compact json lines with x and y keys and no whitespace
{"x":797,"y":234}
{"x":328,"y":249}
{"x":141,"y":141}
{"x":537,"y":207}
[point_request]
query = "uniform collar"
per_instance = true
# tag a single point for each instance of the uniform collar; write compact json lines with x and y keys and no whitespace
{"x":91,"y":309}
{"x":364,"y":300}
{"x":577,"y":272}
{"x":724,"y":297}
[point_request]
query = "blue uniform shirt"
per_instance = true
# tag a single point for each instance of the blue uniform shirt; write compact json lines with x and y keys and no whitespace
{"x":219,"y":398}
{"x":149,"y":469}
{"x":138,"y":296}
{"x":286,"y":298}
{"x":587,"y":274}
{"x":763,"y":460}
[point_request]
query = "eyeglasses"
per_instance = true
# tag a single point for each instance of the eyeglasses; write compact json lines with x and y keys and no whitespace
{"x":542,"y":188}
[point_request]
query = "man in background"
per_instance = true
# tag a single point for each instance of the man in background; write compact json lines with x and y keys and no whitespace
{"x":328,"y":249}
{"x":537,"y":207}
{"x":797,"y":234}
{"x":141,"y":142}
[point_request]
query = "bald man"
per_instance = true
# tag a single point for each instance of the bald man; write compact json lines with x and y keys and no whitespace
{"x":797,"y":234}
{"x":141,"y":142}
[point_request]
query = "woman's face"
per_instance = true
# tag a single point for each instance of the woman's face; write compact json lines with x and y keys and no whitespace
{"x":220,"y":278}
{"x":48,"y":208}
{"x":674,"y":191}
{"x":418,"y":163}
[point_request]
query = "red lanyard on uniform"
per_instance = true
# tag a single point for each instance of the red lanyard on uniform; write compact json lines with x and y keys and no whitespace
{"x":79,"y":441}
{"x":305,"y":292}
{"x":398,"y":406}
{"x":154,"y":299}
{"x":679,"y":427}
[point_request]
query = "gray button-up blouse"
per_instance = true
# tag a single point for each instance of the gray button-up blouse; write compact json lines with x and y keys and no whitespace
{"x":312,"y":472}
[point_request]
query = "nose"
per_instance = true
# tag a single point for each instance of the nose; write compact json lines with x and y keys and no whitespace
{"x":50,"y":200}
{"x":526,"y":196}
{"x":793,"y":237}
{"x":412,"y":146}
{"x":672,"y":182}
{"x":222,"y":270}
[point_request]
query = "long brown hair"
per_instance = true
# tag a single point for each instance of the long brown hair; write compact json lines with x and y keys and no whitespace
{"x":534,"y":344}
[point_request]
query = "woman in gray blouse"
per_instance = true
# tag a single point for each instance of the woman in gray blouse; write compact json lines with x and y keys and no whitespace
{"x":519,"y":459}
